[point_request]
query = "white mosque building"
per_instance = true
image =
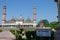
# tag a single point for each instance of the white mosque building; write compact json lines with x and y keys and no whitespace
{"x":19,"y":22}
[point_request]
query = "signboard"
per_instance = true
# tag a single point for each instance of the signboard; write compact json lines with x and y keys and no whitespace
{"x":43,"y":32}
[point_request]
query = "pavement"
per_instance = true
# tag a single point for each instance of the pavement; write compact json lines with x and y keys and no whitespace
{"x":6,"y":35}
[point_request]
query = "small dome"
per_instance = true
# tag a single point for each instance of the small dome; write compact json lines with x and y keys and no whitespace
{"x":41,"y":21}
{"x":28,"y":20}
{"x":20,"y":18}
{"x":13,"y":19}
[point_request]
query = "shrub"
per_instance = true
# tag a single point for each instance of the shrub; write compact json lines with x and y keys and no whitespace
{"x":0,"y":30}
{"x":17,"y":34}
{"x":29,"y":33}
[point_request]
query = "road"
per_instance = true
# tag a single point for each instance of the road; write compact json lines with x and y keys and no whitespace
{"x":6,"y":35}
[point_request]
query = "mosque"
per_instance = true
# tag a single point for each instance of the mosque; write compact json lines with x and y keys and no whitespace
{"x":19,"y":22}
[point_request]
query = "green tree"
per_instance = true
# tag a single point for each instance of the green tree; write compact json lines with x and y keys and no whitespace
{"x":46,"y":23}
{"x":29,"y":33}
{"x":53,"y":24}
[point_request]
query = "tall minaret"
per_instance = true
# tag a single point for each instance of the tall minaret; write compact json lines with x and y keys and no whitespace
{"x":34,"y":13}
{"x":34,"y":19}
{"x":4,"y":13}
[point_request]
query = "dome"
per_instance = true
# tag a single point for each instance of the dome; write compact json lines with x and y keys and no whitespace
{"x":41,"y":21}
{"x":13,"y":19}
{"x":28,"y":20}
{"x":20,"y":18}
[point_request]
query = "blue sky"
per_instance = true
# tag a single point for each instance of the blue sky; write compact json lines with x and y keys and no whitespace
{"x":46,"y":9}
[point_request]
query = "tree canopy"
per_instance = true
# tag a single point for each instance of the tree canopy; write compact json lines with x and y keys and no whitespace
{"x":52,"y":24}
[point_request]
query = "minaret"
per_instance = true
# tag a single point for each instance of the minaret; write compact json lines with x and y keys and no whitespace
{"x":4,"y":13}
{"x":34,"y":14}
{"x":34,"y":19}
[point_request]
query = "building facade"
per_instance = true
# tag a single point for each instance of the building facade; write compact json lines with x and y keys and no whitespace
{"x":19,"y":22}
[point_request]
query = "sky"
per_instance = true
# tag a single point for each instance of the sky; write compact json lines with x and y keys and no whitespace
{"x":45,"y":9}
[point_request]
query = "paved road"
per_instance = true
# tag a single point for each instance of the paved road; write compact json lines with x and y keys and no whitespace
{"x":6,"y":35}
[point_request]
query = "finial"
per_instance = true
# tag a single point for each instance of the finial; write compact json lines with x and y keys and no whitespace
{"x":34,"y":3}
{"x":12,"y":16}
{"x":28,"y":16}
{"x":34,"y":6}
{"x":20,"y":15}
{"x":4,"y":2}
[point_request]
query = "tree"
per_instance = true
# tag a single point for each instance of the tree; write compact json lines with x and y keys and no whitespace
{"x":29,"y":34}
{"x":53,"y":24}
{"x":46,"y":23}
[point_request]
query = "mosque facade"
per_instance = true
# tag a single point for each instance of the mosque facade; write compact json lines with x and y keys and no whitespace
{"x":19,"y":22}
